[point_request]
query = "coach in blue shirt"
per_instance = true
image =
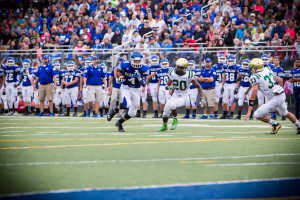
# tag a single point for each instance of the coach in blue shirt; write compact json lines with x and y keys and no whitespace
{"x":207,"y":80}
{"x":46,"y":77}
{"x":295,"y":79}
{"x":94,"y":80}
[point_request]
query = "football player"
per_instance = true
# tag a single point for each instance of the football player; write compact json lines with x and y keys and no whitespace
{"x":219,"y":67}
{"x":191,"y":102}
{"x":133,"y":75}
{"x":295,"y":79}
{"x":263,"y":79}
{"x":84,"y":91}
{"x":278,"y":71}
{"x":229,"y":80}
{"x":70,"y":80}
{"x":180,"y":79}
{"x":58,"y":92}
{"x":152,"y":79}
{"x":244,"y":73}
{"x":1,"y":91}
{"x":12,"y":81}
{"x":27,"y":82}
{"x":162,"y":75}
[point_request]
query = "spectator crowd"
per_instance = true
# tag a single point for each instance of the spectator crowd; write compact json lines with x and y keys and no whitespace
{"x":86,"y":25}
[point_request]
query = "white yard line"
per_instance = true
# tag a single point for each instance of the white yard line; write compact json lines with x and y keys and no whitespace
{"x":146,"y":160}
{"x":254,"y":164}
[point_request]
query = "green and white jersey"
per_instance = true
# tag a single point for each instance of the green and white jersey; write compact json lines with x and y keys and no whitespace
{"x":266,"y":82}
{"x":181,"y":82}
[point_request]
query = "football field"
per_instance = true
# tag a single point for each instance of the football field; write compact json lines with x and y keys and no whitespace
{"x":80,"y":156}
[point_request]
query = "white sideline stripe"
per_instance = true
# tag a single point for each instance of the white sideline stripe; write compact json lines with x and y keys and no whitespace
{"x":151,"y":186}
{"x":130,"y":134}
{"x":145,"y":160}
{"x":254,"y":164}
{"x":181,"y":125}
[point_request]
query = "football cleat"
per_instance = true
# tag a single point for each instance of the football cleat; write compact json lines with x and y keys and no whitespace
{"x":51,"y":115}
{"x":67,"y":114}
{"x":138,"y":115}
{"x":111,"y":114}
{"x":144,"y":116}
{"x":298,"y":130}
{"x":155,"y":116}
{"x":224,"y":117}
{"x":120,"y":126}
{"x":174,"y":124}
{"x":95,"y":116}
{"x":211,"y":116}
{"x":216,"y":116}
{"x":75,"y":115}
{"x":40,"y":114}
{"x":283,"y":118}
{"x":160,"y":116}
{"x":203,"y":117}
{"x":193,"y":116}
{"x":273,"y":116}
{"x":83,"y":115}
{"x":275,"y":128}
{"x":230,"y":116}
{"x":163,"y":128}
{"x":238,"y":117}
{"x":186,"y":116}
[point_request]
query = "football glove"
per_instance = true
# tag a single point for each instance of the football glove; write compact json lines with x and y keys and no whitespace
{"x":121,"y":79}
{"x":202,"y":102}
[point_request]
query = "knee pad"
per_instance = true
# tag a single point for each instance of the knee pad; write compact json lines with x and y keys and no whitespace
{"x":132,"y":111}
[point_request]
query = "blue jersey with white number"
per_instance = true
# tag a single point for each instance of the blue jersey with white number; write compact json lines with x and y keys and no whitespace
{"x":278,"y":71}
{"x":116,"y":83}
{"x":207,"y":73}
{"x":12,"y":73}
{"x":162,"y":74}
{"x":130,"y":74}
{"x":25,"y":77}
{"x":154,"y":69}
{"x":231,"y":73}
{"x":197,"y":74}
{"x":295,"y":73}
{"x":245,"y":75}
{"x":219,"y":67}
{"x":71,"y":75}
{"x":59,"y":76}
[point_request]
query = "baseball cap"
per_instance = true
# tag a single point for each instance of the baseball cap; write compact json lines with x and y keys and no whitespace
{"x":208,"y":60}
{"x":152,"y":38}
{"x":94,"y":58}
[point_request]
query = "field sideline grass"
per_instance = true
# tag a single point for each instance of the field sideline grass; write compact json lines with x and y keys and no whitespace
{"x":42,"y":154}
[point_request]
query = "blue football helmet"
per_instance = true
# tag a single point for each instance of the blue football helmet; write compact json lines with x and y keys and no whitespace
{"x":70,"y":65}
{"x":265,"y":58}
{"x":192,"y":64}
{"x":231,"y":60}
{"x":246,"y":64}
{"x":88,"y":61}
{"x":56,"y":65}
{"x":136,"y":60}
{"x":154,"y":60}
{"x":26,"y":63}
{"x":10,"y":61}
{"x":164,"y":63}
{"x":222,"y":59}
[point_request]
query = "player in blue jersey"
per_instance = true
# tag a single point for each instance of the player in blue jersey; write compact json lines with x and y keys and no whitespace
{"x":219,"y":67}
{"x":114,"y":86}
{"x":95,"y":82}
{"x":207,"y":81}
{"x":244,"y":73}
{"x":133,"y":75}
{"x":1,"y":91}
{"x":191,"y":102}
{"x":58,"y":96}
{"x":12,"y":81}
{"x":295,"y":79}
{"x":162,"y":75}
{"x":71,"y":81}
{"x":27,"y":82}
{"x":104,"y":106}
{"x":229,"y":80}
{"x":153,"y":81}
{"x":84,"y":91}
{"x":279,"y":72}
